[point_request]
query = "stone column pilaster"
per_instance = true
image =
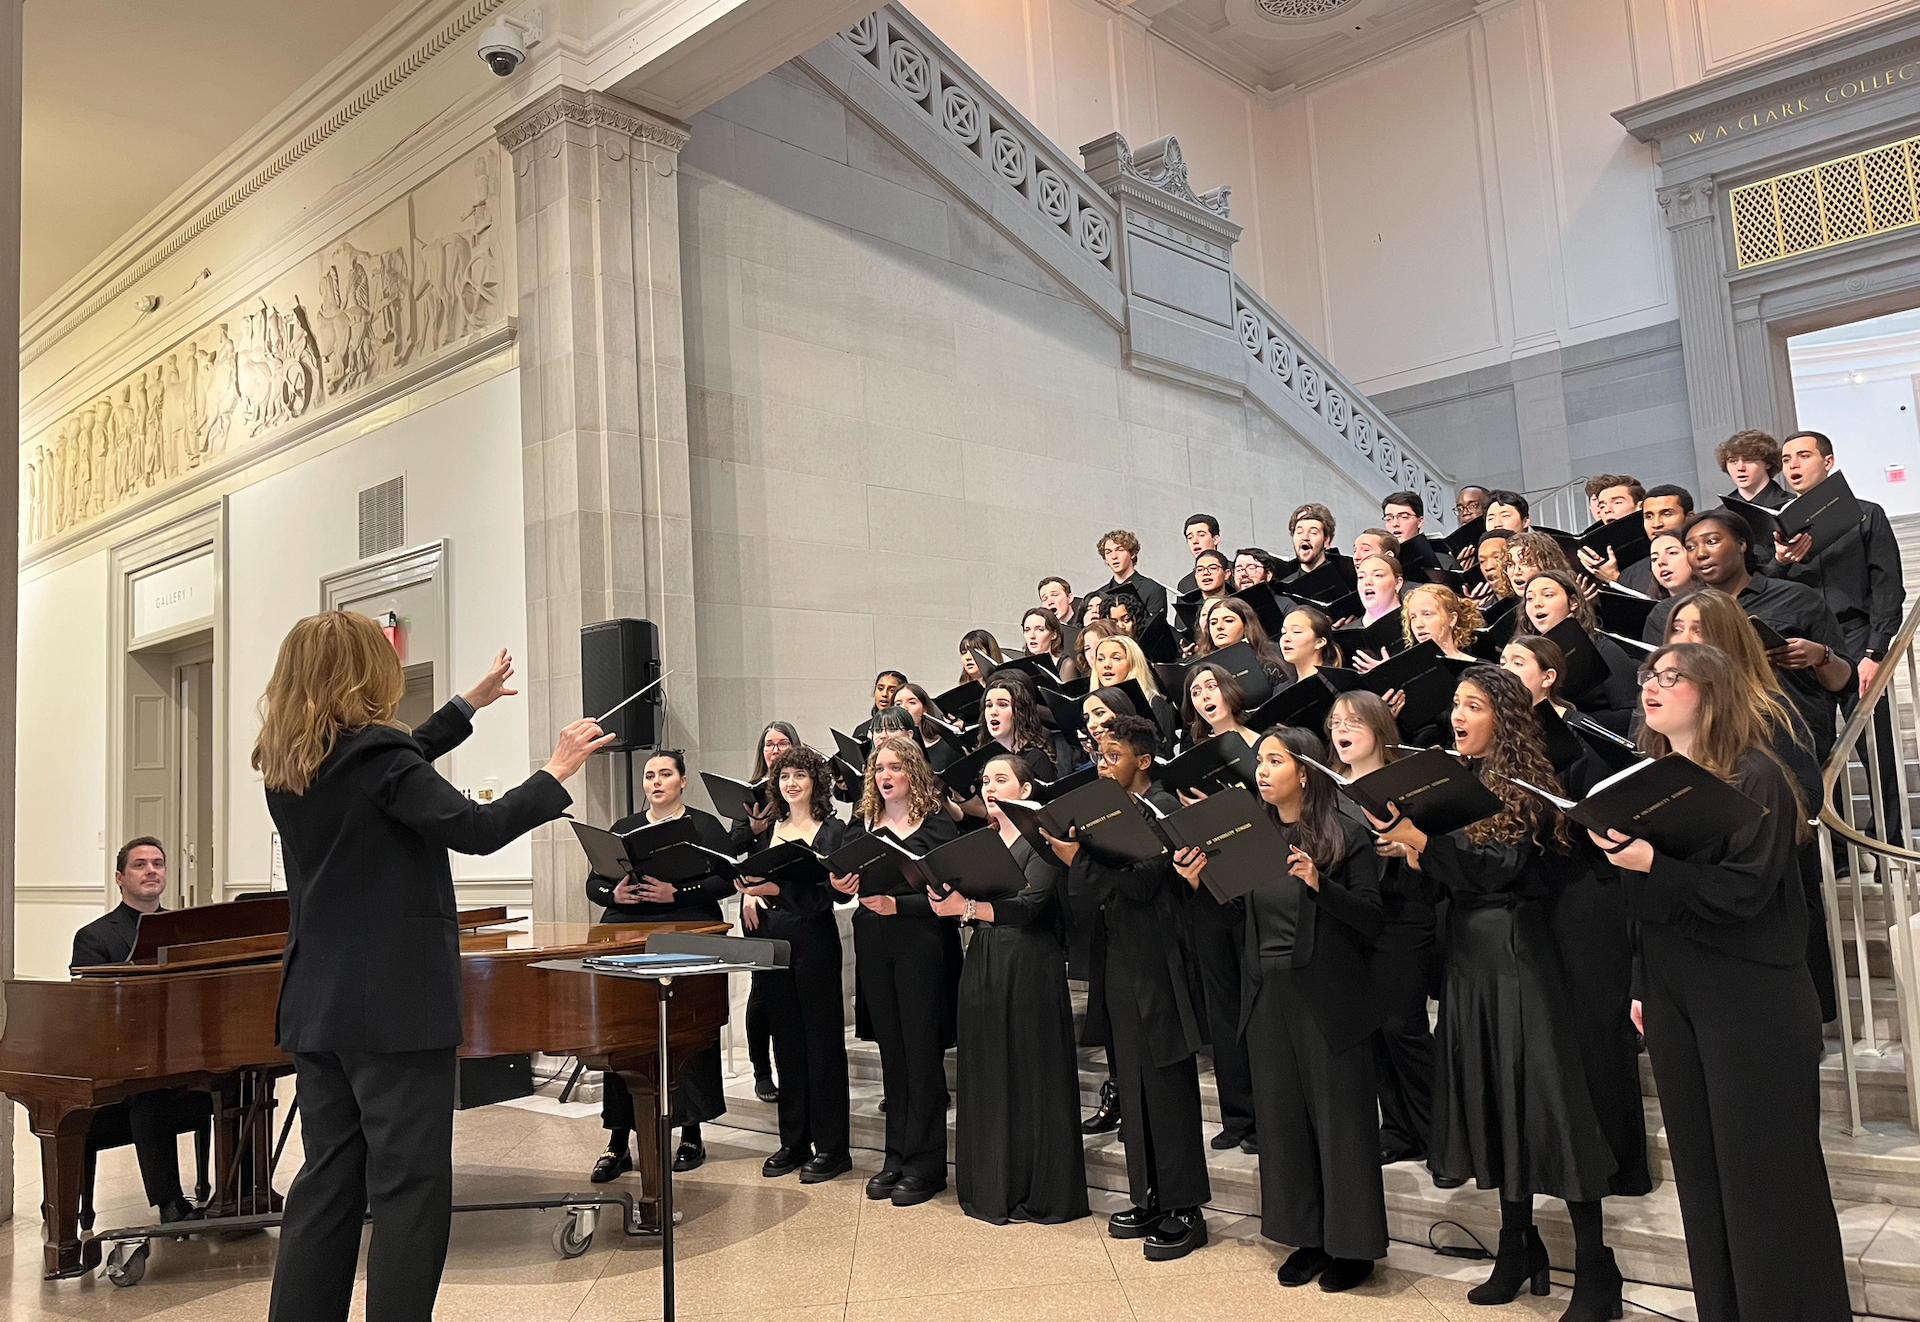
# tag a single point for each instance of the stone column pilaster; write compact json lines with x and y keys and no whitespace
{"x":9,"y":511}
{"x":603,"y":411}
{"x":1706,"y":329}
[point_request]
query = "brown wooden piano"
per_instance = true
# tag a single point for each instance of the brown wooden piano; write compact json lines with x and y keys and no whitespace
{"x":195,"y":1007}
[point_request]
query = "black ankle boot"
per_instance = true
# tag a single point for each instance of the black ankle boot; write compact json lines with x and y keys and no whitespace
{"x":1107,"y":1118}
{"x":1596,"y":1288}
{"x":1522,"y":1261}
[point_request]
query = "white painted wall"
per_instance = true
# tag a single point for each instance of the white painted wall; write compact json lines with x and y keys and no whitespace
{"x":60,"y":797}
{"x":461,"y":458}
{"x":1856,"y":384}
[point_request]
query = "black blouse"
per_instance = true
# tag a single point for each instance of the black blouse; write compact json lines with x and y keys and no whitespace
{"x":935,"y":831}
{"x":701,"y":894}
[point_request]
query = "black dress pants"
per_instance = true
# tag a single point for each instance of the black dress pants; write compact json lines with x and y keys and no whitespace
{"x":759,"y":1028}
{"x":1159,"y":1112}
{"x":1218,"y":933}
{"x":1404,"y":971}
{"x":1319,"y":1137}
{"x":378,"y":1132}
{"x":157,"y":1120}
{"x":1736,"y":1055}
{"x":807,"y":1014}
{"x":902,"y":966}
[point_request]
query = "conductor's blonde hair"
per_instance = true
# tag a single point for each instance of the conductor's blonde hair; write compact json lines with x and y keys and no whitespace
{"x":336,"y":671}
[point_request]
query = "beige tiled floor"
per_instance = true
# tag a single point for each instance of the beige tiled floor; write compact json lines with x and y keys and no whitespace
{"x":751,"y":1250}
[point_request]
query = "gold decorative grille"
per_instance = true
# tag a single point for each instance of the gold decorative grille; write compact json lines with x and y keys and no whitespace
{"x":1826,"y":205}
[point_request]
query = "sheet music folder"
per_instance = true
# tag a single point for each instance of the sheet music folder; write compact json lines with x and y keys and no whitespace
{"x":1673,"y":803}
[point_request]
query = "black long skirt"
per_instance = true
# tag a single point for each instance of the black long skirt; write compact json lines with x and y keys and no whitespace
{"x":1018,"y":1144}
{"x":1510,"y":1104}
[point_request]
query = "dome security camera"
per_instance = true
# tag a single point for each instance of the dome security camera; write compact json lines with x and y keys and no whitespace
{"x":504,"y":45}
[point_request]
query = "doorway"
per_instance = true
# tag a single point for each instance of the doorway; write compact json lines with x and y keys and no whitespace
{"x":170,"y":749}
{"x":1857,"y":383}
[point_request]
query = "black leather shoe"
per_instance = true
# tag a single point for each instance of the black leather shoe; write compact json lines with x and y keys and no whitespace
{"x":912,"y":1190}
{"x":824,"y":1167}
{"x":1134,"y":1223}
{"x":784,"y":1161}
{"x":763,"y":1089}
{"x":1302,"y":1265}
{"x":1251,"y":1145}
{"x":1178,"y":1234}
{"x":690,"y":1156}
{"x":881,"y":1185}
{"x":1229,"y":1138}
{"x":1107,"y":1118}
{"x":1345,"y":1273}
{"x":611,"y":1166}
{"x":179,"y":1209}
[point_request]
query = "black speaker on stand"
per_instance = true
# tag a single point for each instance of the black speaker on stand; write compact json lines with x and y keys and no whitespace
{"x":618,"y":658}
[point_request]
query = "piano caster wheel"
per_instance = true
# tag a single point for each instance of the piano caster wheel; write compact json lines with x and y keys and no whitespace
{"x":574,"y":1236}
{"x":127,"y":1263}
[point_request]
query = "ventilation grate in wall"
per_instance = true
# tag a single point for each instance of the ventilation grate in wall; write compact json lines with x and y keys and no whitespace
{"x":1826,"y":205}
{"x":383,"y":518}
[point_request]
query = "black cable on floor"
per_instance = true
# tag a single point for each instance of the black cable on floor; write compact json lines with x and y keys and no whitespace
{"x":1478,"y":1253}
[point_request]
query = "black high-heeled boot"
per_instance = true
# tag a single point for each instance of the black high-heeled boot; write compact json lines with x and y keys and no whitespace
{"x":1522,"y":1261}
{"x":1107,"y":1118}
{"x":1596,"y":1289}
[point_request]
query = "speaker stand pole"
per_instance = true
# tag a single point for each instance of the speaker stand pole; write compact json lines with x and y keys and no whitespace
{"x":629,"y":753}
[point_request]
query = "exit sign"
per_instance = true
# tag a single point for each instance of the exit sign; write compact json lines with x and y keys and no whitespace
{"x":1896,"y":472}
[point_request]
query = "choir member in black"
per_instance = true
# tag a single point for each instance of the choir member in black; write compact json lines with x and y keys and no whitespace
{"x":1730,"y":1016}
{"x":1213,"y":579}
{"x":1017,"y":1150}
{"x":1116,"y":660}
{"x":977,"y":640}
{"x":1496,"y":584}
{"x":370,"y":984}
{"x":775,"y":739}
{"x":1380,"y":583}
{"x":1814,"y":664}
{"x":1375,"y":541}
{"x":1435,"y":613}
{"x":1405,"y":516}
{"x":1512,"y":1109}
{"x":1362,"y":734}
{"x":1145,"y":1003}
{"x":1202,"y":532}
{"x":1312,"y":528}
{"x":1309,"y":1011}
{"x":1231,"y":620}
{"x":1470,"y":503}
{"x":1751,"y":459}
{"x":1056,"y":594}
{"x":1099,"y":709}
{"x":1251,"y":564}
{"x":804,"y":1000}
{"x":1008,"y":717}
{"x":157,"y":1116}
{"x":1306,"y":642}
{"x":1859,"y":575}
{"x":1612,"y":497}
{"x":1708,"y":616}
{"x":1663,"y":509}
{"x":1218,"y":931}
{"x":1120,"y":550}
{"x":1531,"y":553}
{"x":885,"y":685}
{"x":917,"y":703}
{"x":902,"y":954}
{"x":1047,"y":637}
{"x":699,"y":1096}
{"x":1538,"y":663}
{"x":1508,"y":511}
{"x":1092,"y":634}
{"x":1552,"y":597}
{"x":1671,"y":566}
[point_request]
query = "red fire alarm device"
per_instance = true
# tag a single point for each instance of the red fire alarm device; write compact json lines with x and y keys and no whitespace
{"x":390,"y":626}
{"x":1896,"y":472}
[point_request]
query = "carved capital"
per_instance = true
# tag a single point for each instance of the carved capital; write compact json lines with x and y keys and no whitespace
{"x":1687,"y":203}
{"x":593,"y":110}
{"x":1159,"y":165}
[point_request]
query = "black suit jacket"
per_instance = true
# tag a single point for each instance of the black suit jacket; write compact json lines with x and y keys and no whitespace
{"x":695,"y":901}
{"x":108,"y":939}
{"x":373,"y":949}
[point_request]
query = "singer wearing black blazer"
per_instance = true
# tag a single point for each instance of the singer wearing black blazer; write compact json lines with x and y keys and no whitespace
{"x":370,"y":1005}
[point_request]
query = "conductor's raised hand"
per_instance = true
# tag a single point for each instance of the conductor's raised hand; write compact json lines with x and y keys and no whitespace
{"x":1190,"y":863}
{"x":578,"y":742}
{"x":493,"y":684}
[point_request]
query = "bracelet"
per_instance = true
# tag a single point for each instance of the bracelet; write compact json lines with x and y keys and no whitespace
{"x":968,"y":917}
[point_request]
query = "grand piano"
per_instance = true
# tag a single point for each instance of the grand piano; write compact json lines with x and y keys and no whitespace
{"x":195,"y":1004}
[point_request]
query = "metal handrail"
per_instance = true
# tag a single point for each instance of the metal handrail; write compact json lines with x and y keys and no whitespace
{"x":1895,"y":865}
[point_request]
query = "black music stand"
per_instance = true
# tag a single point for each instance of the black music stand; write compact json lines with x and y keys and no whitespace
{"x":722,"y":955}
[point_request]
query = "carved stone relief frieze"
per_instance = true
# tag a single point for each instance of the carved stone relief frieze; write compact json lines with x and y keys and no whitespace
{"x":419,"y":278}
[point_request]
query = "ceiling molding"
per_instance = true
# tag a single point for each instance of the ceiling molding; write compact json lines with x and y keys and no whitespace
{"x":380,"y":63}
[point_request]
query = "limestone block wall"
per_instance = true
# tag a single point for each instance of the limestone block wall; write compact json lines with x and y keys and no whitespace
{"x":898,"y":422}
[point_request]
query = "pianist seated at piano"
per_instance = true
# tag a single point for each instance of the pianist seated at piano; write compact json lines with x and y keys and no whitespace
{"x":158,"y":1117}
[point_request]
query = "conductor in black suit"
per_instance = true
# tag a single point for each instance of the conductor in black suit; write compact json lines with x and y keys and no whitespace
{"x":370,"y":989}
{"x":159,"y":1115}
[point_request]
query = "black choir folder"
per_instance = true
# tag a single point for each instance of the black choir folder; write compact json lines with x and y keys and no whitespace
{"x":793,"y":861}
{"x":1425,"y":674}
{"x":1242,"y":845}
{"x":1674,"y":804}
{"x":734,"y":799}
{"x":1436,"y":791}
{"x":1102,"y":817}
{"x":1827,"y":511}
{"x":1223,"y":762}
{"x":666,"y":851}
{"x":978,"y":865}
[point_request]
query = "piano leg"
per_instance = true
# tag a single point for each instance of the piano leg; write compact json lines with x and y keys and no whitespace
{"x":243,"y":1145}
{"x":646,"y":1147}
{"x":62,"y":1130}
